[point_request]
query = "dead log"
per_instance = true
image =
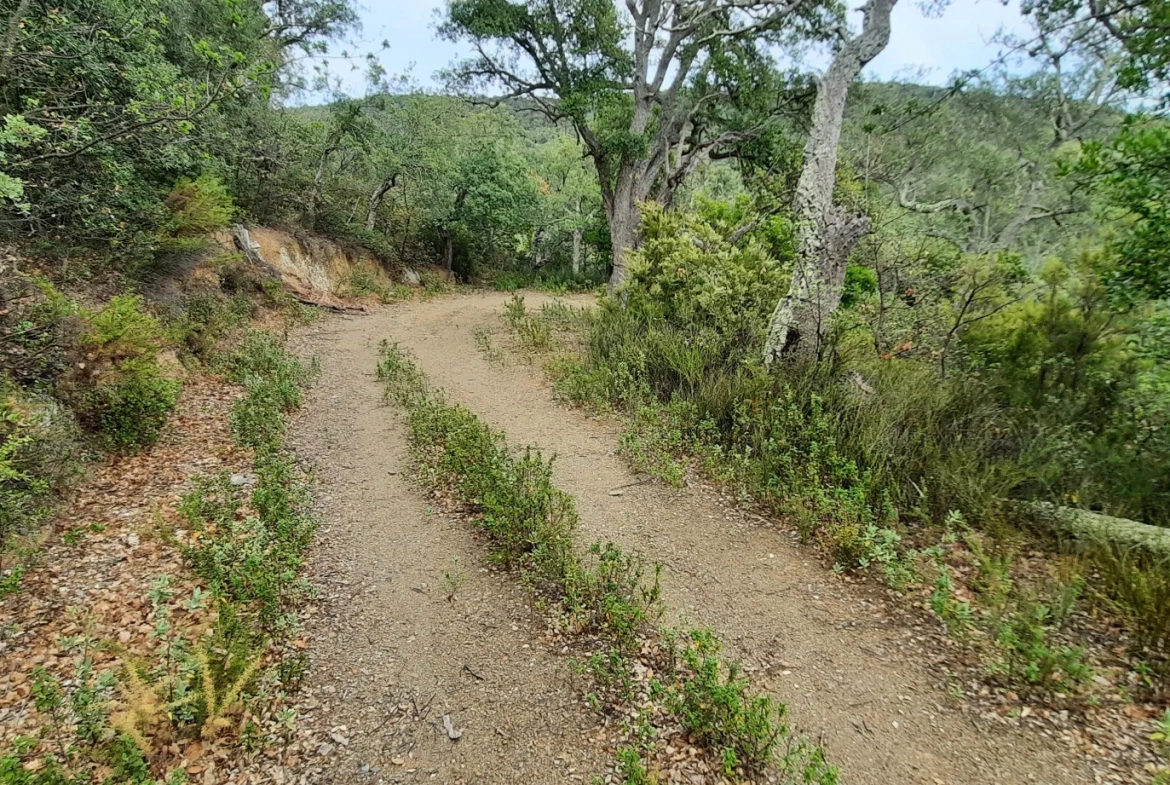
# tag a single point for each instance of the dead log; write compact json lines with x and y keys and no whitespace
{"x":1088,"y":526}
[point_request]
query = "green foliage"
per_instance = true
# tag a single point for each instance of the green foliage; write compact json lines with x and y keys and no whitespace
{"x":956,"y":614}
{"x":273,"y":380}
{"x":578,"y":53}
{"x":1139,"y":28}
{"x":123,"y":329}
{"x":1136,"y":586}
{"x":556,"y":280}
{"x":112,"y":719}
{"x":1009,"y":387}
{"x":607,"y":594}
{"x":687,"y":274}
{"x":253,"y":556}
{"x":631,"y":768}
{"x":36,"y":327}
{"x":130,"y":412}
{"x":364,"y":282}
{"x":197,"y":208}
{"x":16,"y":134}
{"x":119,"y":391}
{"x":1028,"y":656}
{"x":1081,"y":394}
{"x":108,"y":104}
{"x":253,"y":560}
{"x":713,"y":705}
{"x":1130,"y":173}
{"x":434,"y":283}
{"x":205,"y":317}
{"x":38,"y":453}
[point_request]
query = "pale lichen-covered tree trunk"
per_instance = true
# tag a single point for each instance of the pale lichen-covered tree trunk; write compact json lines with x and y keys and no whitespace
{"x":376,"y":201}
{"x":622,"y":212}
{"x":826,"y":233}
{"x":577,"y":240}
{"x":576,"y":252}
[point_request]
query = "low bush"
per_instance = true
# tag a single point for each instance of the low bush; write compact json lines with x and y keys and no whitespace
{"x":203,"y":318}
{"x":712,"y":704}
{"x":1135,"y":585}
{"x":117,"y":387}
{"x":253,"y":560}
{"x":363,"y":282}
{"x":434,"y":283}
{"x":40,"y":450}
{"x":37,"y":326}
{"x":130,"y":411}
{"x":195,"y":209}
{"x":1028,"y":655}
{"x":555,"y":280}
{"x":273,"y":379}
{"x":20,"y":491}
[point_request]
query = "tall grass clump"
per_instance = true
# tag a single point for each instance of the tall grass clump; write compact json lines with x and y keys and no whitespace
{"x":899,"y":429}
{"x":857,"y":438}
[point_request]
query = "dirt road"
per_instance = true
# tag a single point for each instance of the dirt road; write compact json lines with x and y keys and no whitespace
{"x":393,"y":654}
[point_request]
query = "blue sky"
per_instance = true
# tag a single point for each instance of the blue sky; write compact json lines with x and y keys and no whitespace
{"x":922,"y":47}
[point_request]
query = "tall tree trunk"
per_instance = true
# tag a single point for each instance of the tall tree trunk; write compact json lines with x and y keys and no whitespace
{"x":449,"y":251}
{"x":576,"y":253}
{"x":10,"y":36}
{"x":826,"y":233}
{"x":376,"y":201}
{"x":537,"y":257}
{"x":621,"y":210}
{"x":577,"y":240}
{"x":318,"y":180}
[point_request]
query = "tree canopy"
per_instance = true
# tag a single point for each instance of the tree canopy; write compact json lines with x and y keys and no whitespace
{"x":651,"y":93}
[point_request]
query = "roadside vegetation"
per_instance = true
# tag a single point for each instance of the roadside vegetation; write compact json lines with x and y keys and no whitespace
{"x":922,"y":322}
{"x":605,"y":601}
{"x":219,"y":658}
{"x":888,"y":464}
{"x":97,"y":383}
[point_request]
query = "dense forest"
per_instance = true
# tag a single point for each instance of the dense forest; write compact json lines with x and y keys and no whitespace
{"x":1013,"y":222}
{"x":903,"y":315}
